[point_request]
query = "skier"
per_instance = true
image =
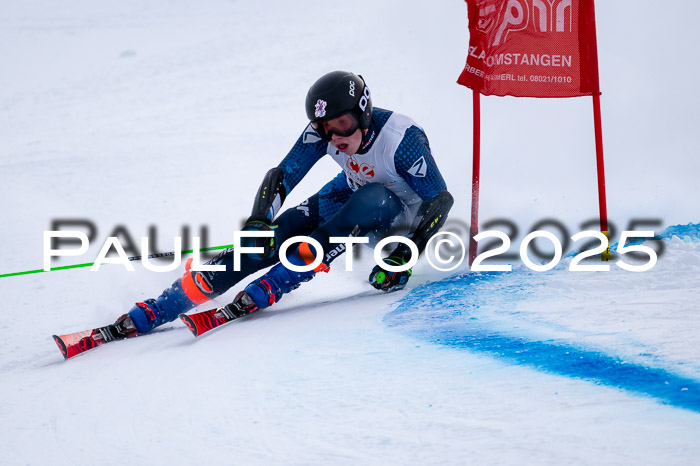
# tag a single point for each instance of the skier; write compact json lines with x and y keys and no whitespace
{"x":389,"y":185}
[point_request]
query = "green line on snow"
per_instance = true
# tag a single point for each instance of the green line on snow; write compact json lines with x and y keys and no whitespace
{"x":90,"y":264}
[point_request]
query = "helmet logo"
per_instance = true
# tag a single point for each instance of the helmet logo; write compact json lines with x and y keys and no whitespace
{"x":320,"y":108}
{"x":364,"y":100}
{"x":352,"y":88}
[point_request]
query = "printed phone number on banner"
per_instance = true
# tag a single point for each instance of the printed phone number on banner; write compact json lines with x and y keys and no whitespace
{"x":550,"y":79}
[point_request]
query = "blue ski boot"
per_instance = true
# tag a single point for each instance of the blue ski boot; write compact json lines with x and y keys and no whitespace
{"x":279,"y":280}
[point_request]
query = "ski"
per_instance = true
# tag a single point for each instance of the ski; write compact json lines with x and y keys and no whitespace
{"x":73,"y":344}
{"x":201,"y":322}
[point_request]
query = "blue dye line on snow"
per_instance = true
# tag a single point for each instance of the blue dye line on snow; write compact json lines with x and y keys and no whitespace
{"x":595,"y":366}
{"x":689,"y":232}
{"x":446,"y":312}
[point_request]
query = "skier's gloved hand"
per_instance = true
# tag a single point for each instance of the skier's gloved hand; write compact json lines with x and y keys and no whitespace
{"x":389,"y":281}
{"x":268,"y":244}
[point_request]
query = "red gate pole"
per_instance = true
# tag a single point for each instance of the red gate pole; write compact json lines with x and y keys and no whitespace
{"x":598,"y":127}
{"x":602,"y":203}
{"x":476,"y":166}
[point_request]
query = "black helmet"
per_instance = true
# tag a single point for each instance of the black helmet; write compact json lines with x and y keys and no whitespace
{"x":336,"y":93}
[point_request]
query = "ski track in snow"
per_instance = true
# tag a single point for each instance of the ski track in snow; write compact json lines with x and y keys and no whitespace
{"x":168,"y":114}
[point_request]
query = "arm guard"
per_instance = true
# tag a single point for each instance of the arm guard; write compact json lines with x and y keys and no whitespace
{"x":270,"y":197}
{"x":431,"y":216}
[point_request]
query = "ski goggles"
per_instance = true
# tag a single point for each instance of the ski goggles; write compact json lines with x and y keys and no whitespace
{"x":344,"y":126}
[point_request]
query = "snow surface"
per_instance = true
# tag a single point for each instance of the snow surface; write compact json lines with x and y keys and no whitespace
{"x":168,"y":113}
